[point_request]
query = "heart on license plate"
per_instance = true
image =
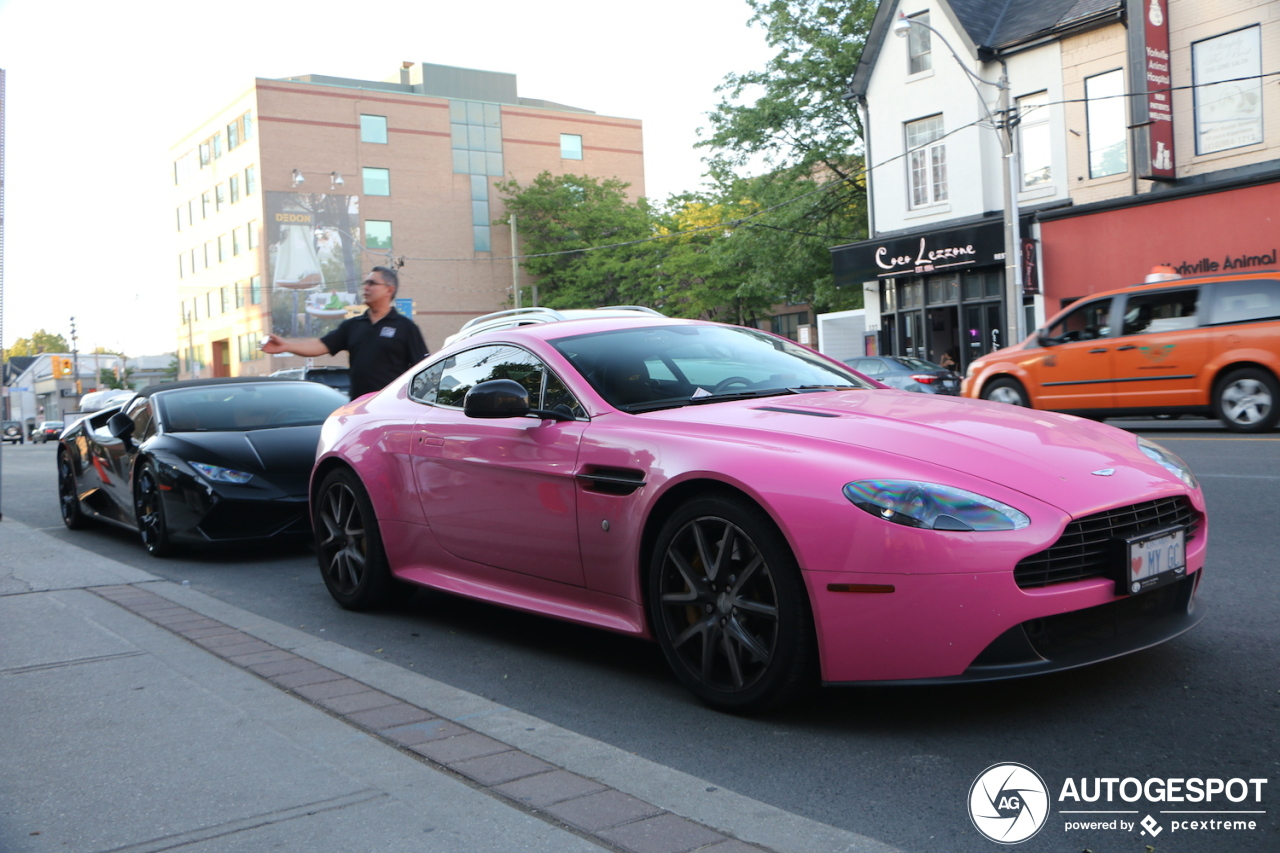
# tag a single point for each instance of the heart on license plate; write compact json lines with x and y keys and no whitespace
{"x":1155,"y":560}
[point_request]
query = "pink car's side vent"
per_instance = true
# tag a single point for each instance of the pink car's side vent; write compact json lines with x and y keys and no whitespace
{"x":610,"y":481}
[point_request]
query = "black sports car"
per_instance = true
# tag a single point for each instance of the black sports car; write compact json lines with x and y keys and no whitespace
{"x":200,"y":461}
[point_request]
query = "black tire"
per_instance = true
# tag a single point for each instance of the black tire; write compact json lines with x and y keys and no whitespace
{"x":68,"y":495}
{"x":1005,"y":390}
{"x":1247,"y":400}
{"x":733,"y":622}
{"x":349,"y":544}
{"x":148,"y":510}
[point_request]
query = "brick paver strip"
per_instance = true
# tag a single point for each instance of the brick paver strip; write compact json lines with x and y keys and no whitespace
{"x":547,"y":788}
{"x":607,"y":815}
{"x":398,"y":714}
{"x":665,"y":833}
{"x":460,"y":748}
{"x":315,"y":675}
{"x":504,"y":767}
{"x":607,"y":808}
{"x":329,"y":689}
{"x":365,"y":701}
{"x":417,"y":733}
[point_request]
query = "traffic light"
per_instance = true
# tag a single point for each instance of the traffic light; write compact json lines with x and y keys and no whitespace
{"x":62,"y":367}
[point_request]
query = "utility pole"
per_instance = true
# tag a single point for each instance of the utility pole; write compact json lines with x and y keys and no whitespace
{"x":1012,"y":227}
{"x":75,"y":361}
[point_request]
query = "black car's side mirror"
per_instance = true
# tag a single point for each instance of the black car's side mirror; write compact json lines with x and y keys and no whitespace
{"x":121,"y":426}
{"x":503,"y":398}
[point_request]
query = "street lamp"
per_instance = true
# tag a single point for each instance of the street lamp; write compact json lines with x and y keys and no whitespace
{"x":1012,"y":231}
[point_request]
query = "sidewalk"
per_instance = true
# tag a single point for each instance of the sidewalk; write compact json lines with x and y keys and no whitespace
{"x":139,"y":715}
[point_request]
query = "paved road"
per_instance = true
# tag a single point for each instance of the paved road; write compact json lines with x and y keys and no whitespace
{"x":891,"y":763}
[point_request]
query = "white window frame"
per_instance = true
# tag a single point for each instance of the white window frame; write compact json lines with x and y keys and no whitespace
{"x":927,"y":183}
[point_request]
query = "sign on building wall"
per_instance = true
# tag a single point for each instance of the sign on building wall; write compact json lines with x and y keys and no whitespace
{"x":1227,"y":72}
{"x":312,"y":268}
{"x":937,"y":252}
{"x":1153,"y":107}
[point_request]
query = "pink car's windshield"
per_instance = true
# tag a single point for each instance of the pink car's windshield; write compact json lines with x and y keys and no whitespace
{"x":665,"y":366}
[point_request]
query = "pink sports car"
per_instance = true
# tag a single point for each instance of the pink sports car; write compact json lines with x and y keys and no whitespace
{"x":769,"y":517}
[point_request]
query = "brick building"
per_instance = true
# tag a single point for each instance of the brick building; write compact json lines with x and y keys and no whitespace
{"x":288,"y":194}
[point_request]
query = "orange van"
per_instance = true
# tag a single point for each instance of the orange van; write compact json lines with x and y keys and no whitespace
{"x":1200,"y":345}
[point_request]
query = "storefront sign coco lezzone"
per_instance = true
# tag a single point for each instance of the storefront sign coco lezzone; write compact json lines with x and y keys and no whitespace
{"x":926,"y":260}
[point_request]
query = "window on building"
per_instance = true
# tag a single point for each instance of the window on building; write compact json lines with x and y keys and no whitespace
{"x":373,"y":129}
{"x":476,"y":130}
{"x":233,"y":135}
{"x":1105,"y":112}
{"x":192,"y":266}
{"x":377,"y":234}
{"x":1228,"y":114}
{"x":788,"y":325}
{"x":233,"y":184}
{"x":252,"y":228}
{"x":217,"y":145}
{"x":250,"y":180}
{"x":246,"y":121}
{"x":211,"y":303}
{"x":206,"y":202}
{"x":224,"y":247}
{"x":205,"y":156}
{"x":919,"y":46}
{"x":926,"y":161}
{"x":377,"y":181}
{"x":191,"y":212}
{"x":1034,"y":140}
{"x":224,"y":299}
{"x":242,"y":290}
{"x":570,"y":146}
{"x":220,"y":195}
{"x":237,"y":240}
{"x":179,"y":212}
{"x":208,"y":254}
{"x":255,"y":290}
{"x":182,"y":265}
{"x":481,"y":236}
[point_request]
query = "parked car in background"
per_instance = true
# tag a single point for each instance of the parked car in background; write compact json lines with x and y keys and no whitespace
{"x":12,"y":431}
{"x":47,"y":431}
{"x":515,"y":317}
{"x":771,"y":518}
{"x":334,"y":377}
{"x":908,"y":374}
{"x":198,"y":462}
{"x":1206,"y":345}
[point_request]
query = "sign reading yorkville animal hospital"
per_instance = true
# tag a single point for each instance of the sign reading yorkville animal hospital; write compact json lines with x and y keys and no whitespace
{"x":312,"y":268}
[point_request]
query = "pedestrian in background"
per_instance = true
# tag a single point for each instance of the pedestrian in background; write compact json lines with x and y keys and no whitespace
{"x":381,"y":343}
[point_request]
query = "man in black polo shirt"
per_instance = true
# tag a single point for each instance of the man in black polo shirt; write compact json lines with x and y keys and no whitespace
{"x":381,"y":343}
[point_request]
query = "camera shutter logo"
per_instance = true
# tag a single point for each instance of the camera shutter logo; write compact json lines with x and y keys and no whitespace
{"x":1008,"y":803}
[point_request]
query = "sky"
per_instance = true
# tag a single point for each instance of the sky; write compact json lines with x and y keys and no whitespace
{"x":97,"y":93}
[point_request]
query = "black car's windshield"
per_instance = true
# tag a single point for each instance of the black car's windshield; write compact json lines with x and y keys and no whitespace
{"x":258,"y":405}
{"x":664,"y":366}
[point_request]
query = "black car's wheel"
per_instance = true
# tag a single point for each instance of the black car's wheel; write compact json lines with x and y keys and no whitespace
{"x":68,"y":495}
{"x":729,"y":608}
{"x":1247,"y":400}
{"x":148,"y":508}
{"x":348,"y":544}
{"x":1006,"y":391}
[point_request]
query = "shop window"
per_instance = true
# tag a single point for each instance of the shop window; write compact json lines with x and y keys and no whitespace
{"x":926,"y":162}
{"x":1227,"y":72}
{"x":1105,"y":112}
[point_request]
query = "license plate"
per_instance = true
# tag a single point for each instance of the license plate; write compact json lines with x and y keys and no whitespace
{"x":1155,"y":560}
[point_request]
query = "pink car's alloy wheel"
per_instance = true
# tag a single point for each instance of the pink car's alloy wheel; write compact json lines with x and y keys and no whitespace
{"x":728,"y":606}
{"x":348,"y":543}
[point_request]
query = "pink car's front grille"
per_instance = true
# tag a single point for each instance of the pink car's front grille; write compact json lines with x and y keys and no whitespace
{"x":1086,"y":548}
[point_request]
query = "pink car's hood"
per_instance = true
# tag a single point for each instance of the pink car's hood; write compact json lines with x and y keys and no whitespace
{"x":1049,"y":456}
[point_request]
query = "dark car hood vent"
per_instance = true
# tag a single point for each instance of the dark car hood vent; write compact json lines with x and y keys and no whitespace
{"x":808,"y":412}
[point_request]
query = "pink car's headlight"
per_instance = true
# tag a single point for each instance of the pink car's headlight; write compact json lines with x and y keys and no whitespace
{"x":932,"y":506}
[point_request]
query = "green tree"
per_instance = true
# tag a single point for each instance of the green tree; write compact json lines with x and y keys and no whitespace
{"x":107,"y":378}
{"x":40,"y":341}
{"x":556,"y":215}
